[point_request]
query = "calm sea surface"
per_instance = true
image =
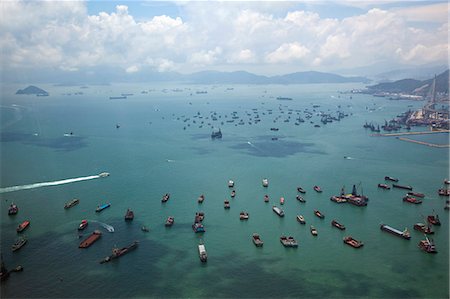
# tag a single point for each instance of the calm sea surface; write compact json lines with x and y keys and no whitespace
{"x":163,"y":146}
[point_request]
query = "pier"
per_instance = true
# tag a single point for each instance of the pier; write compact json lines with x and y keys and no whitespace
{"x":424,"y":143}
{"x":398,"y":136}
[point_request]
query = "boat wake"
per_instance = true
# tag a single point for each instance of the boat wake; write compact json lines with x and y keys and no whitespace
{"x":108,"y":227}
{"x":46,"y":184}
{"x":170,"y":161}
{"x":348,"y":158}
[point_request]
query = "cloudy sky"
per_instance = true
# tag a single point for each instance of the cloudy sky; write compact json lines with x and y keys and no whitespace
{"x":257,"y":36}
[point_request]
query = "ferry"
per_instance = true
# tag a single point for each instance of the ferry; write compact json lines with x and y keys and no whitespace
{"x":337,"y":224}
{"x":281,"y":200}
{"x":388,"y":178}
{"x":301,"y":190}
{"x":300,"y":198}
{"x":317,"y":189}
{"x":118,"y":252}
{"x":384,"y":186}
{"x":243,"y":216}
{"x":22,"y":226}
{"x":288,"y":241}
{"x":257,"y":240}
{"x":427,"y":245}
{"x":18,"y":244}
{"x":313,"y":230}
{"x":422,"y":227}
{"x":301,"y":219}
{"x":169,"y":221}
{"x":201,"y":198}
{"x":319,"y":214}
{"x":434,"y":220}
{"x":129,"y":215}
{"x":403,"y":234}
{"x":71,"y":203}
{"x":198,"y":227}
{"x":103,"y":174}
{"x":230,"y":183}
{"x":202,"y":252}
{"x":278,"y":211}
{"x":266,"y":198}
{"x":353,"y":242}
{"x":102,"y":207}
{"x":402,"y":187}
{"x":83,"y":224}
{"x":165,"y":197}
{"x":411,"y":199}
{"x":13,"y":209}
{"x":91,"y":239}
{"x":226,"y":204}
{"x":265,"y":183}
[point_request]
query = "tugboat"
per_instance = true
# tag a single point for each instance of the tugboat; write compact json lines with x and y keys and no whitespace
{"x":422,"y":227}
{"x":313,"y":230}
{"x":384,"y":186}
{"x":288,"y":241}
{"x":301,"y":190}
{"x":201,"y":198}
{"x":71,"y":203}
{"x":226,"y":204}
{"x":165,"y":197}
{"x":266,"y":198}
{"x":18,"y":244}
{"x":202,"y":252}
{"x":257,"y":240}
{"x":265,"y":183}
{"x":319,"y":214}
{"x":22,"y":226}
{"x":403,"y":234}
{"x":13,"y":209}
{"x":411,"y":199}
{"x":243,"y":216}
{"x":118,"y":252}
{"x":278,"y":211}
{"x":337,"y":224}
{"x":434,"y":220}
{"x":216,"y":135}
{"x":129,"y":215}
{"x":353,"y":242}
{"x":91,"y":239}
{"x":198,"y":227}
{"x":102,"y":207}
{"x":301,"y":219}
{"x":300,"y":198}
{"x":170,"y":220}
{"x":427,"y":245}
{"x":83,"y":224}
{"x":317,"y":189}
{"x":388,"y":178}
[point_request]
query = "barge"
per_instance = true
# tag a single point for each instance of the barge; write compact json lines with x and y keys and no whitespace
{"x":402,"y":187}
{"x":91,"y":239}
{"x":403,"y":234}
{"x":118,"y":252}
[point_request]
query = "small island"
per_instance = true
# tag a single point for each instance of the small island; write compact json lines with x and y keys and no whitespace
{"x":33,"y":90}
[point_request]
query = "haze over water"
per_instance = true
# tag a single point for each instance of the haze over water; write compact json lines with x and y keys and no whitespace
{"x":151,"y":154}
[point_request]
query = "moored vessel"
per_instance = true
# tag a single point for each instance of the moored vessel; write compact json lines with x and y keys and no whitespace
{"x":198,"y":227}
{"x":265,"y":183}
{"x":389,"y":178}
{"x":230,"y":183}
{"x":411,"y":199}
{"x":319,"y":214}
{"x":226,"y":204}
{"x":301,"y":219}
{"x":384,"y":186}
{"x":91,"y":239}
{"x":349,"y":240}
{"x":169,"y":221}
{"x":243,"y":216}
{"x":201,"y":198}
{"x":337,"y":224}
{"x":444,"y":192}
{"x":317,"y":189}
{"x":13,"y":209}
{"x":288,"y":241}
{"x":422,"y":227}
{"x":313,"y":230}
{"x":165,"y":197}
{"x":281,"y":200}
{"x":129,"y":215}
{"x":257,"y":240}
{"x":434,"y":219}
{"x":118,"y":252}
{"x":71,"y":203}
{"x":338,"y":199}
{"x":278,"y":211}
{"x":266,"y":198}
{"x":416,"y":194}
{"x":300,"y":198}
{"x":403,"y":234}
{"x":202,"y":252}
{"x":19,"y":243}
{"x":402,"y":186}
{"x":22,"y":226}
{"x":427,"y":245}
{"x":102,"y":207}
{"x":301,"y":190}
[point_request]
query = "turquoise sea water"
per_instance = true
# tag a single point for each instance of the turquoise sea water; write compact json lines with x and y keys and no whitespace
{"x":151,"y":154}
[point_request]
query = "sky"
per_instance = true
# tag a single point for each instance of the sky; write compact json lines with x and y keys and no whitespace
{"x":262,"y":37}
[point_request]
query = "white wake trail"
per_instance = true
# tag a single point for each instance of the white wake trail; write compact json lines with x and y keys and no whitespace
{"x":46,"y":184}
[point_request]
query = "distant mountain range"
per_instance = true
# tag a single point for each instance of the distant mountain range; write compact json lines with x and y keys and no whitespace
{"x":413,"y":86}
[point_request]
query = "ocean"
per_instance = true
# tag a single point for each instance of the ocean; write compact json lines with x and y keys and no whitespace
{"x":163,"y":145}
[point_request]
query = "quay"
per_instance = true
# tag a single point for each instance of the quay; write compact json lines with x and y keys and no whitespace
{"x":423,"y":142}
{"x":410,"y":133}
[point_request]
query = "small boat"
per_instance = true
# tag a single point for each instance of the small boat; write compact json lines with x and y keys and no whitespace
{"x":233,"y":193}
{"x":266,"y":198}
{"x":145,"y":229}
{"x":201,"y":198}
{"x":288,"y":241}
{"x":317,"y":189}
{"x":230,"y":183}
{"x":384,"y":186}
{"x":18,"y":244}
{"x":129,"y":215}
{"x":22,"y":226}
{"x":402,"y":187}
{"x":403,"y":234}
{"x":300,"y":198}
{"x":281,"y":200}
{"x":313,"y":230}
{"x":84,"y":223}
{"x":422,"y":227}
{"x":301,"y":190}
{"x":226,"y":204}
{"x":434,"y":220}
{"x":319,"y":214}
{"x":202,"y":252}
{"x":198,"y":227}
{"x":102,"y":207}
{"x":165,"y":197}
{"x":199,"y":216}
{"x":103,"y":174}
{"x":301,"y":219}
{"x":71,"y":203}
{"x":274,"y":129}
{"x":13,"y":209}
{"x":447,"y":205}
{"x":337,"y":224}
{"x":447,"y":181}
{"x":427,"y":245}
{"x":257,"y":240}
{"x":444,"y":192}
{"x":278,"y":211}
{"x":216,"y":134}
{"x":416,"y":194}
{"x":118,"y":252}
{"x":169,"y":221}
{"x":411,"y":199}
{"x":265,"y":183}
{"x":388,"y":178}
{"x":91,"y":239}
{"x":353,"y":242}
{"x":243,"y":216}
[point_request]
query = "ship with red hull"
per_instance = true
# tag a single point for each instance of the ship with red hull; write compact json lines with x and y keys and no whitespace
{"x":91,"y":239}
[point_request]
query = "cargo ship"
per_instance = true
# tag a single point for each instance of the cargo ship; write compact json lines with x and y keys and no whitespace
{"x":71,"y":203}
{"x":18,"y":244}
{"x":91,"y":239}
{"x":337,"y":224}
{"x":102,"y":207}
{"x":433,"y":219}
{"x":353,"y":242}
{"x":411,"y":199}
{"x":278,"y":211}
{"x":403,"y":234}
{"x":389,"y":178}
{"x":118,"y":252}
{"x":22,"y":226}
{"x":384,"y":186}
{"x":422,"y":227}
